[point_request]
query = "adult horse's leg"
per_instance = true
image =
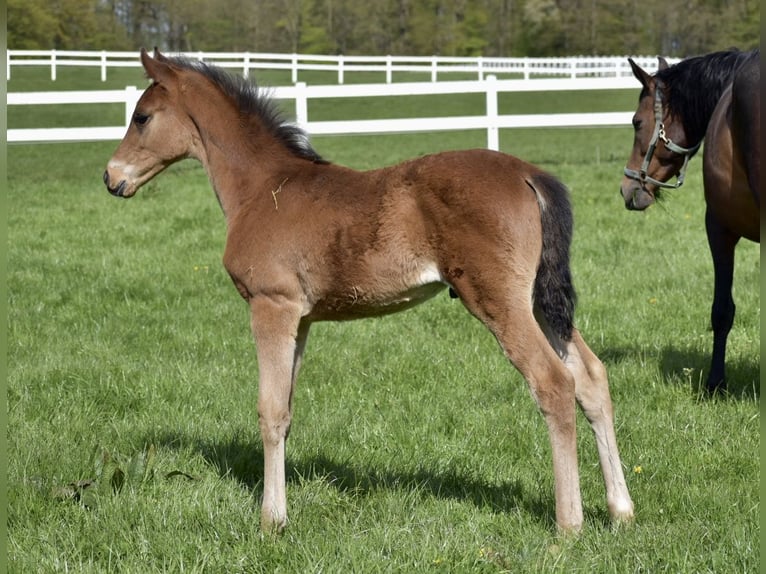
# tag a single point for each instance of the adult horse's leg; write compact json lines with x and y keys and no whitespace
{"x":722,"y":244}
{"x":592,"y":391}
{"x":280,"y":338}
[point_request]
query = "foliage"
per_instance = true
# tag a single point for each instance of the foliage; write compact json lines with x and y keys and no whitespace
{"x":409,"y":27}
{"x":415,"y":447}
{"x":64,"y":24}
{"x":111,"y":474}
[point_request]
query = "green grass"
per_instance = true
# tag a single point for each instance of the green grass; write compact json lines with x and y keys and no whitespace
{"x":415,"y":446}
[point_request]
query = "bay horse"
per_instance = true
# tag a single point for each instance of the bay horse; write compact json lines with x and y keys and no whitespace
{"x":308,"y":240}
{"x":715,"y":97}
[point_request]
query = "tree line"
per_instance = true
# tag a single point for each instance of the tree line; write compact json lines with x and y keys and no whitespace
{"x":398,"y":27}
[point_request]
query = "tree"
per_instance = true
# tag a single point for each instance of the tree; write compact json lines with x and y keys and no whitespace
{"x":407,"y":27}
{"x":543,"y":31}
{"x":31,"y":25}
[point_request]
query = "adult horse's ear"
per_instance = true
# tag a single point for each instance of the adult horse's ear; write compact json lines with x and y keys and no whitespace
{"x":640,"y":74}
{"x":662,"y":63}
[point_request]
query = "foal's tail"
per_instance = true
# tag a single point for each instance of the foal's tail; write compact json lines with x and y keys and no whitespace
{"x":553,"y":292}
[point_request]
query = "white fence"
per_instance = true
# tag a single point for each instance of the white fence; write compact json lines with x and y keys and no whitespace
{"x":436,"y":66}
{"x":491,"y":121}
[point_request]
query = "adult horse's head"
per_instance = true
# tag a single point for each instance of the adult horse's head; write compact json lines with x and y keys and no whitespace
{"x":661,"y":148}
{"x":158,"y":135}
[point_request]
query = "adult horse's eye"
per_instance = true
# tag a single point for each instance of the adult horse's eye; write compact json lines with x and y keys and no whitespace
{"x":140,"y":119}
{"x":636,"y":124}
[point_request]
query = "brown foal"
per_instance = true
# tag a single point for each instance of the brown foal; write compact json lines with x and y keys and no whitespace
{"x":310,"y":241}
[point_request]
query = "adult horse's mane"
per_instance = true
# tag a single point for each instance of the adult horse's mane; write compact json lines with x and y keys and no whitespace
{"x":694,"y":107}
{"x":254,"y":100}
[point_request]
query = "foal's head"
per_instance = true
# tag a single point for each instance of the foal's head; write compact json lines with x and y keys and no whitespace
{"x":188,"y":102}
{"x":661,"y":147}
{"x":159,"y":134}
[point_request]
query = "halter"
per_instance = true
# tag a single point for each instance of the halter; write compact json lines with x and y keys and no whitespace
{"x":659,"y":134}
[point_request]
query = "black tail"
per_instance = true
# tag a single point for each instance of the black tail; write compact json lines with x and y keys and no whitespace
{"x":554,"y":293}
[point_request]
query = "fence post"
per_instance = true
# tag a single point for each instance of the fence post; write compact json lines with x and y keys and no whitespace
{"x":7,"y":65}
{"x":301,"y":105}
{"x":434,"y":65}
{"x":389,"y":66}
{"x":53,"y":65}
{"x":246,"y":65}
{"x":103,"y":65}
{"x":480,"y":67}
{"x":294,"y":75}
{"x":131,"y":99}
{"x":493,"y":136}
{"x":340,"y":68}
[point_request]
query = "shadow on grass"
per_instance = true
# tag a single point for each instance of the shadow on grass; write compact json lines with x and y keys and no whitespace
{"x":241,"y":459}
{"x":689,"y":367}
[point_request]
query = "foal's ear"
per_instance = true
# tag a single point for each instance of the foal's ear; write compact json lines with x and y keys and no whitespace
{"x":640,"y":74}
{"x":156,"y":68}
{"x":662,"y":63}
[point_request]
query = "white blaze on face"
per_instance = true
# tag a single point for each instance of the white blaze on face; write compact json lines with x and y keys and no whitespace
{"x":126,"y":170}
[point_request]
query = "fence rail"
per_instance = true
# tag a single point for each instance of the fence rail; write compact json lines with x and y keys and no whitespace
{"x":301,"y":93}
{"x":436,"y":66}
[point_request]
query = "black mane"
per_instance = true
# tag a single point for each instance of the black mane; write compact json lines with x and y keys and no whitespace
{"x":253,"y":100}
{"x":694,"y":86}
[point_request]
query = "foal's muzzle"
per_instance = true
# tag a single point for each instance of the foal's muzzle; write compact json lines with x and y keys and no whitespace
{"x":118,"y":190}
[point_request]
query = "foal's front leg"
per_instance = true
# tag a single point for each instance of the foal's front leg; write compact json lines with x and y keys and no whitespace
{"x":280,"y":338}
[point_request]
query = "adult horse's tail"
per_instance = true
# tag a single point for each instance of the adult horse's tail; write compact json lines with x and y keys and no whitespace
{"x":554,"y":292}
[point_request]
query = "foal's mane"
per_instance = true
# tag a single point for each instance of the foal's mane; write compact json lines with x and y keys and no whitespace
{"x":694,"y":86}
{"x":253,"y":100}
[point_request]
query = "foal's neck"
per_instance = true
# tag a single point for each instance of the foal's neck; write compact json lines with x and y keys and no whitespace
{"x":240,"y":156}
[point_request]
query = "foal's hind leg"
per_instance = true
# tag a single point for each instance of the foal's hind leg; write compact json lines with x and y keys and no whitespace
{"x":592,"y":390}
{"x":509,"y":316}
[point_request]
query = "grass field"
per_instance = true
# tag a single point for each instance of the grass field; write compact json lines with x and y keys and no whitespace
{"x":415,"y":446}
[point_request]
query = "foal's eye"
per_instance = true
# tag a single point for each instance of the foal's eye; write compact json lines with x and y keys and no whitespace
{"x":636,"y":124}
{"x":140,"y":119}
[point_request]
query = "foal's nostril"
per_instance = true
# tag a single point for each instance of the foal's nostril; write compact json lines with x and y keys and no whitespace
{"x":106,"y":178}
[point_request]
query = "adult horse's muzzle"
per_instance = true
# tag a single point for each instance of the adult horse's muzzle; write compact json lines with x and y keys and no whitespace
{"x":636,"y":196}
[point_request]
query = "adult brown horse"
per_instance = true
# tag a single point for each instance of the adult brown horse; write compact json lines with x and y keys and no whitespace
{"x":715,"y":97}
{"x":309,"y":241}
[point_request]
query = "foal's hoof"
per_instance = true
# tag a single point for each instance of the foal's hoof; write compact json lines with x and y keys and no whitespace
{"x":568,"y":530}
{"x":271,"y":525}
{"x":621,"y":511}
{"x":622,"y":520}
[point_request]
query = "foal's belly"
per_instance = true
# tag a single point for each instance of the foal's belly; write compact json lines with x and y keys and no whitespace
{"x":388,"y":291}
